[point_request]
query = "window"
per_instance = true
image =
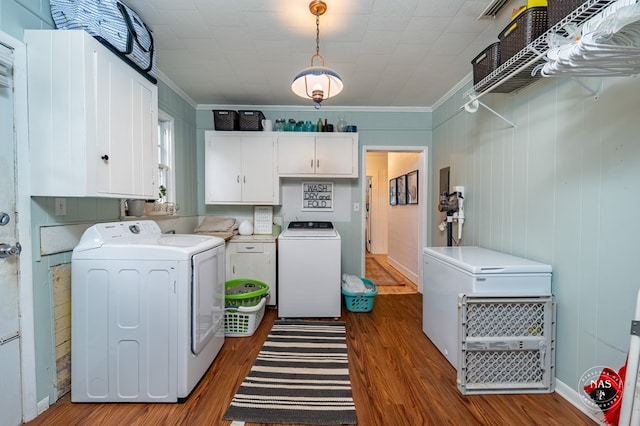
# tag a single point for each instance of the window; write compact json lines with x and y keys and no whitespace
{"x":166,"y":174}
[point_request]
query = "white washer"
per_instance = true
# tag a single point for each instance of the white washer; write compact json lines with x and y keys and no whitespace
{"x":147,"y":312}
{"x":309,"y":271}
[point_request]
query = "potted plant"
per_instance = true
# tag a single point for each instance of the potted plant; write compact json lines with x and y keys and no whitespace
{"x":159,"y":206}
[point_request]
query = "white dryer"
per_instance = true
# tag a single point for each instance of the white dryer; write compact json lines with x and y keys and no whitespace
{"x":147,"y":314}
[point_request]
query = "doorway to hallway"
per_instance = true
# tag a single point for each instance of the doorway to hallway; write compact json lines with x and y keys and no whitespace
{"x":395,"y":232}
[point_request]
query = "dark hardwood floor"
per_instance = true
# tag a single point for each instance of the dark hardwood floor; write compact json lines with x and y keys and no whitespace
{"x":398,"y":378}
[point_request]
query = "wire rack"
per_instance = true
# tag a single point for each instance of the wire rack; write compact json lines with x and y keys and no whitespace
{"x":529,"y":57}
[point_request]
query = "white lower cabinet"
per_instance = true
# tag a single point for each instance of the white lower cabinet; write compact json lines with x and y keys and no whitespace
{"x":318,"y":154}
{"x":240,"y":168}
{"x":253,"y":258}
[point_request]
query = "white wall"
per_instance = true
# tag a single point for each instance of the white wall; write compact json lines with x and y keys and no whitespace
{"x":403,"y":251}
{"x":377,"y":164}
{"x":561,"y":188}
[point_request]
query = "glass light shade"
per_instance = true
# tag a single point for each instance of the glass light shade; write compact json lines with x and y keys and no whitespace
{"x":317,"y":83}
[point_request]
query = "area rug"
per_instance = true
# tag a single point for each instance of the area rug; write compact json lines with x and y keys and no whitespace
{"x":301,"y":376}
{"x":376,"y":273}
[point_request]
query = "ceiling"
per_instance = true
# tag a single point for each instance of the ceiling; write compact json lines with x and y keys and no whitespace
{"x":389,"y":53}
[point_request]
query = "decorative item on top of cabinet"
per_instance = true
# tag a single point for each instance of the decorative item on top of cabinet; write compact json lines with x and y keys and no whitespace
{"x":240,"y":168}
{"x":320,"y":154}
{"x":253,"y":257}
{"x":92,"y":119}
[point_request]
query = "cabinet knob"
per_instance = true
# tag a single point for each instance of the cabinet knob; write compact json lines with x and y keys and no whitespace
{"x":105,"y":157}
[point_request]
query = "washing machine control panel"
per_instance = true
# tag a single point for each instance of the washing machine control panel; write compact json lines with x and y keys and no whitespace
{"x":115,"y":230}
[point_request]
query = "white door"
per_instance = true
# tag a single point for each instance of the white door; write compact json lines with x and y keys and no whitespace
{"x":367,"y":217}
{"x":334,"y":156}
{"x":207,"y":304}
{"x":223,"y":161}
{"x":258,"y":174}
{"x":296,"y":155}
{"x":11,"y":393}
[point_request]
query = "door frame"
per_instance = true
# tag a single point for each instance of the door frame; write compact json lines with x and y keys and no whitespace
{"x":423,"y":191}
{"x":23,"y":229}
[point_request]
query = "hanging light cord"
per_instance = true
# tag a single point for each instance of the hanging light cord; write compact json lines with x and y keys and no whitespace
{"x":318,"y":33}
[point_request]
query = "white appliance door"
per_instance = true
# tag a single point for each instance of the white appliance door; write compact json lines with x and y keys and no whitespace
{"x":207,"y":300}
{"x":479,"y":260}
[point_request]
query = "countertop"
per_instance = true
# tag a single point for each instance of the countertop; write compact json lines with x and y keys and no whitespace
{"x":265,"y":238}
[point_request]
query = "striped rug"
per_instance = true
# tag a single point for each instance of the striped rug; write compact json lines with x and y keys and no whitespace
{"x":301,"y":376}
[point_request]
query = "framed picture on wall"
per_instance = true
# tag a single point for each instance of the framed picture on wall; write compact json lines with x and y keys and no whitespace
{"x":393,"y":200}
{"x":412,"y":187}
{"x":317,"y":196}
{"x":402,"y":189}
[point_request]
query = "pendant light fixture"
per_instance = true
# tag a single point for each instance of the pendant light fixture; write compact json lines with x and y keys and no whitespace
{"x":317,"y":82}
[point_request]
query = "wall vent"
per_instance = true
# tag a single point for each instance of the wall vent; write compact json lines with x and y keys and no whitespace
{"x":493,"y":8}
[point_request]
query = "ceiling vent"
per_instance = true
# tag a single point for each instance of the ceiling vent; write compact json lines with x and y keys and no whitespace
{"x":493,"y":8}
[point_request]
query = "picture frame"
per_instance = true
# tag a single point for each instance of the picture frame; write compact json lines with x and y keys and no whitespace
{"x":412,"y":187}
{"x":393,"y":200}
{"x":401,"y":190}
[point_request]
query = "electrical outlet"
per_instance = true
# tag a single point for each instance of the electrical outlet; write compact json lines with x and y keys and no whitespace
{"x":60,"y":206}
{"x":356,"y":207}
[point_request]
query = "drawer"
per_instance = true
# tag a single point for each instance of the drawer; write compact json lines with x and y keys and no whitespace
{"x":249,"y":247}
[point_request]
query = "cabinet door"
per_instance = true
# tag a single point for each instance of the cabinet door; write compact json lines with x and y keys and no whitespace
{"x":92,"y":120}
{"x":126,"y":130}
{"x":334,"y":156}
{"x":296,"y":155}
{"x":258,"y":171}
{"x":223,"y":169}
{"x":257,"y":265}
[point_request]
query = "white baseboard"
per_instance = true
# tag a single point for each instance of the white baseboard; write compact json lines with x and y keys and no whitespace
{"x":404,"y":271}
{"x":43,"y":405}
{"x":572,"y":396}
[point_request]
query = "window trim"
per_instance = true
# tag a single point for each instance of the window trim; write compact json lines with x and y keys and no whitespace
{"x":167,"y":120}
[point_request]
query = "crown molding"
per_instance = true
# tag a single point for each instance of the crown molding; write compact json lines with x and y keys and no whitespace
{"x":462,"y":83}
{"x":166,"y":80}
{"x":310,"y":108}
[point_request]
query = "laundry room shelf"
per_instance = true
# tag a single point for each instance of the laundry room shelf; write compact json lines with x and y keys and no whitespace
{"x":529,"y":57}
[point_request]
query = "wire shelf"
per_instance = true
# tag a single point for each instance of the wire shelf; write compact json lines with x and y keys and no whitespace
{"x":531,"y":56}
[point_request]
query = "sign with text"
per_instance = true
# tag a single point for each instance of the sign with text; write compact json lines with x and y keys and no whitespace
{"x":317,"y":196}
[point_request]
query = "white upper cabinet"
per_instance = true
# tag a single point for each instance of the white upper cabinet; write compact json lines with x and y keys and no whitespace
{"x":318,"y":154}
{"x":240,"y":168}
{"x":93,"y":119}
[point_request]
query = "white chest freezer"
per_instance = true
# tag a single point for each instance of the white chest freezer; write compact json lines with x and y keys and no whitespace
{"x":450,"y":271}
